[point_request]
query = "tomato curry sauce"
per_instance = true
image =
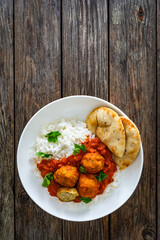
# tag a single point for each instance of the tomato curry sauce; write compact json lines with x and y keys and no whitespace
{"x":92,"y":146}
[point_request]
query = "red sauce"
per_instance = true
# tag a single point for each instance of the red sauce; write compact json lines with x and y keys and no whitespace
{"x":92,"y":145}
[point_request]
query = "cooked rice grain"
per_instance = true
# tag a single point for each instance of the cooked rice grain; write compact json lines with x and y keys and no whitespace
{"x":72,"y":131}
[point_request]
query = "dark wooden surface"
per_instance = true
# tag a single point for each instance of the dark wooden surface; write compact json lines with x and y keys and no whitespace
{"x":56,"y":48}
{"x":158,"y":119}
{"x":6,"y":121}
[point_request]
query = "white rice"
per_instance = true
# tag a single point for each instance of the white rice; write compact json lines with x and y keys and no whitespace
{"x":72,"y":131}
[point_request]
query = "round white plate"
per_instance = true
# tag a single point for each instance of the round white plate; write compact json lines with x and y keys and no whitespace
{"x":72,"y":107}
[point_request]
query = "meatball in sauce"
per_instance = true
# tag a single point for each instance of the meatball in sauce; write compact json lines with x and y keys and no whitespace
{"x":66,"y":172}
{"x":88,"y":186}
{"x":93,"y":162}
{"x":66,"y":176}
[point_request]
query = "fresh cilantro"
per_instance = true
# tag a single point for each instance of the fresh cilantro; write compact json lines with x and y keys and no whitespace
{"x":77,"y":148}
{"x":82,"y":169}
{"x":101,"y":176}
{"x":53,"y":136}
{"x":43,"y":155}
{"x":47,"y":180}
{"x":85,"y":199}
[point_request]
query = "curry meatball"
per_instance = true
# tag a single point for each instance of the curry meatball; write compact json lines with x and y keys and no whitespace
{"x":66,"y":176}
{"x":93,"y":162}
{"x":88,"y":186}
{"x":67,"y":194}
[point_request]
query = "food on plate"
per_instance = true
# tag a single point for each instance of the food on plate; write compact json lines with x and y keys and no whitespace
{"x":43,"y":155}
{"x":91,"y":121}
{"x":107,"y":125}
{"x":88,"y":186}
{"x":81,"y":175}
{"x":72,"y":132}
{"x":53,"y":136}
{"x":101,"y":176}
{"x":77,"y":148}
{"x":92,"y":162}
{"x":75,"y":164}
{"x":67,"y":194}
{"x":47,"y":179}
{"x":66,"y":176}
{"x":85,"y":199}
{"x":132,"y":145}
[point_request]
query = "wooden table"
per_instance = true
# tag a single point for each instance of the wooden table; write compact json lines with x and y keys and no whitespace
{"x":51,"y":49}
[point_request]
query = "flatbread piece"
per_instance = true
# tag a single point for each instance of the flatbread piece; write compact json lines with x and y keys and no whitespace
{"x":132,"y":144}
{"x":107,"y":125}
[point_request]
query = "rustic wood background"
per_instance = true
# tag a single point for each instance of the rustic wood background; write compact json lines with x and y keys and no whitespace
{"x":55,"y":48}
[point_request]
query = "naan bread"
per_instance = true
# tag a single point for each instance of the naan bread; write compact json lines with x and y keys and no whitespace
{"x":107,"y":125}
{"x":91,"y":121}
{"x":132,"y":144}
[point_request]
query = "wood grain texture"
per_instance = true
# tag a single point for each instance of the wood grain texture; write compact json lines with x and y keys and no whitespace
{"x":85,"y":47}
{"x":133,"y":89}
{"x":6,"y":121}
{"x":75,"y":32}
{"x":158,"y":119}
{"x":37,"y":82}
{"x":85,"y":71}
{"x":95,"y":230}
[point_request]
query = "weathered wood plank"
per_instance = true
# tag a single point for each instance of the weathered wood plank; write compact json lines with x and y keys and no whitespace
{"x":85,"y":71}
{"x":6,"y":121}
{"x":37,"y":82}
{"x":133,"y":89}
{"x":158,"y":119}
{"x":85,"y":48}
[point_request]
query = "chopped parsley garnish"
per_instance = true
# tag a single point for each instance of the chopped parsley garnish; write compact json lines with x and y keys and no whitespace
{"x":53,"y":136}
{"x":47,"y":180}
{"x":43,"y":155}
{"x":82,"y":169}
{"x":101,"y":176}
{"x":85,"y":199}
{"x":77,"y":148}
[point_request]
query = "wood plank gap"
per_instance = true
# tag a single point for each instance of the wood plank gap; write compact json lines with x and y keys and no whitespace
{"x":14,"y":118}
{"x":157,"y":220}
{"x":158,"y":117}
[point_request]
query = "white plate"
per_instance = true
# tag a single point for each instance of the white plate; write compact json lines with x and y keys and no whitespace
{"x":71,"y":107}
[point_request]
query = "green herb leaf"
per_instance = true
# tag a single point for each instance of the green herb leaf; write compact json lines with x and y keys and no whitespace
{"x":85,"y":199}
{"x":101,"y":176}
{"x":43,"y":155}
{"x":77,"y":148}
{"x":83,"y":148}
{"x":53,"y":136}
{"x":82,"y":169}
{"x":47,"y":180}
